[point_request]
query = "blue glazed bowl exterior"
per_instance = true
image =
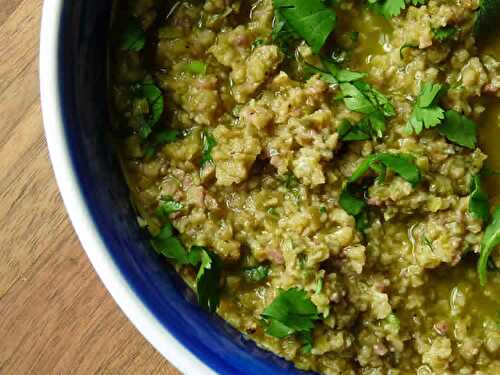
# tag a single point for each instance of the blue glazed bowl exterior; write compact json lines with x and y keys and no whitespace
{"x":81,"y":49}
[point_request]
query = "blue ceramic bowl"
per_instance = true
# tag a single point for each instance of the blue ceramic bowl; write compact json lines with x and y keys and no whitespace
{"x":73,"y":86}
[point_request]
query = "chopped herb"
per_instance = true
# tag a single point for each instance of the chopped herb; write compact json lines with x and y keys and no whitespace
{"x":133,"y":37}
{"x":478,"y":200}
{"x":319,"y":286}
{"x":354,"y":35}
{"x":195,"y":67}
{"x":159,"y":138}
{"x":394,"y":321}
{"x":167,"y":206}
{"x":491,"y":240}
{"x":361,"y":131}
{"x":361,"y":97}
{"x":427,"y":113}
{"x":402,"y":164}
{"x":273,"y":212}
{"x":256,"y":274}
{"x":258,"y":43}
{"x":428,"y":243}
{"x":209,"y":143}
{"x":291,"y":312}
{"x":310,"y":19}
{"x":392,"y":8}
{"x":323,"y":210}
{"x":152,"y":98}
{"x":210,"y":266}
{"x":290,"y":181}
{"x":406,"y":46}
{"x":487,"y":17}
{"x":444,"y":33}
{"x":459,"y":129}
{"x":350,"y":201}
{"x":208,"y":278}
{"x":168,"y":245}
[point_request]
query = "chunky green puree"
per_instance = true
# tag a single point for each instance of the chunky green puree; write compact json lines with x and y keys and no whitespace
{"x":324,"y":174}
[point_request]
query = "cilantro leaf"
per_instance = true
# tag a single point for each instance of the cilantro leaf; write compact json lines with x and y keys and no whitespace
{"x":256,"y":274}
{"x":291,"y":312}
{"x":355,"y":132}
{"x":444,"y":33}
{"x":311,"y":19}
{"x":153,"y":96}
{"x":402,"y":164}
{"x":167,"y":206}
{"x":168,"y":245}
{"x":209,"y":143}
{"x":159,"y":138}
{"x":392,"y":8}
{"x":350,"y":201}
{"x":459,"y":129}
{"x":195,"y":67}
{"x":210,"y":266}
{"x":427,"y":113}
{"x":490,"y":242}
{"x":208,"y":278}
{"x":478,"y":200}
{"x":406,"y":46}
{"x":133,"y":37}
{"x":487,"y":17}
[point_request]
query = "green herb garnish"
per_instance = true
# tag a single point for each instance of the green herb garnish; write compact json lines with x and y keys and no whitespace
{"x":459,"y":129}
{"x":167,"y":206}
{"x":487,"y":17}
{"x":159,"y":138}
{"x":402,"y":164}
{"x":491,"y":240}
{"x":478,"y":200}
{"x":291,"y":312}
{"x":208,"y":278}
{"x":392,"y":8}
{"x":444,"y":33}
{"x":406,"y":46}
{"x":427,"y":113}
{"x":195,"y":67}
{"x":153,"y":98}
{"x":256,"y":274}
{"x":209,"y":143}
{"x":312,"y":20}
{"x":133,"y":37}
{"x":210,"y":265}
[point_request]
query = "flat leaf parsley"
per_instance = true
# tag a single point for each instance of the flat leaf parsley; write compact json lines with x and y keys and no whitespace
{"x":490,"y":242}
{"x":312,"y":20}
{"x":291,"y":312}
{"x":427,"y":113}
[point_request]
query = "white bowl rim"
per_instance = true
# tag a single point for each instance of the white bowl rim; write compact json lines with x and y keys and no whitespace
{"x":79,"y":214}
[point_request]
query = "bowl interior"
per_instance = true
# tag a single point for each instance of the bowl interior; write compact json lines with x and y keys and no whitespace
{"x":82,"y":87}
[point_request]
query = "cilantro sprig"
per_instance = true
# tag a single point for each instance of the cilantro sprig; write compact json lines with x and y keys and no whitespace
{"x":256,"y":274}
{"x":209,"y":143}
{"x":490,"y":242}
{"x":392,"y":8}
{"x":312,"y":20}
{"x":208,"y":263}
{"x":487,"y":17}
{"x":427,"y":113}
{"x":133,"y":38}
{"x":352,"y":197}
{"x":478,"y":199}
{"x":151,"y":105}
{"x":361,"y":97}
{"x":459,"y":129}
{"x":291,"y":312}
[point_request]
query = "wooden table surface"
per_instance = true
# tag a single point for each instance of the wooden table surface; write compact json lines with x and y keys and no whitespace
{"x":55,"y":315}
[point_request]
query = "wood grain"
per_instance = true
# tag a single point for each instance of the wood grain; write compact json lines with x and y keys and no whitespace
{"x":56,"y":317}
